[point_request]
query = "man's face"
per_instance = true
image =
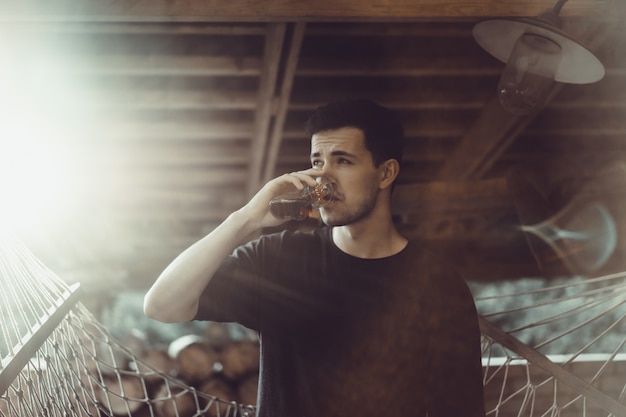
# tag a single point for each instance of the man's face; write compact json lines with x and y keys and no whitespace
{"x":340,"y":155}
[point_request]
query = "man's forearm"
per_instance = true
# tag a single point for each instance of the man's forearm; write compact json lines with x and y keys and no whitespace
{"x":174,"y":295}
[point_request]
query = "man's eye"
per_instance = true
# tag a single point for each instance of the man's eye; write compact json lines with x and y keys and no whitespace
{"x":343,"y":161}
{"x":316,"y":163}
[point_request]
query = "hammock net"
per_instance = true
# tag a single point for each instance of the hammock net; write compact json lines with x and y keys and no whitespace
{"x":57,"y":359}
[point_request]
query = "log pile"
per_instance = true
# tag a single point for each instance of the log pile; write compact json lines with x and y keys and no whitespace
{"x":211,"y":365}
{"x":195,"y":375}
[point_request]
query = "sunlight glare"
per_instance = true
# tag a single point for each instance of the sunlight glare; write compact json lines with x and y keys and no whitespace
{"x":40,"y":120}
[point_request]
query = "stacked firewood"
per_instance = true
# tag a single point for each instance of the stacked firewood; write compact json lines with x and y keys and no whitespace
{"x":213,"y":365}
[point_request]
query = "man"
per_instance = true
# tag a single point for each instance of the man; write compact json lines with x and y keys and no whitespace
{"x":353,"y":318}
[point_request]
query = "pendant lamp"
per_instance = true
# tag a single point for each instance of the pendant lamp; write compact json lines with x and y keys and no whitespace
{"x":537,"y":54}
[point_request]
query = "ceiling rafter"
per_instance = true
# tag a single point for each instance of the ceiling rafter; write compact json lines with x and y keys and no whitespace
{"x":274,"y":41}
{"x":131,"y":28}
{"x":277,"y":10}
{"x":282,"y":100}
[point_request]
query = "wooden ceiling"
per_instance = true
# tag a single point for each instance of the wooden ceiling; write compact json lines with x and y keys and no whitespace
{"x":180,"y":110}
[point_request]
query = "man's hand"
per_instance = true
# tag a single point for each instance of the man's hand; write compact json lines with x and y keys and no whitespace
{"x":257,"y":209}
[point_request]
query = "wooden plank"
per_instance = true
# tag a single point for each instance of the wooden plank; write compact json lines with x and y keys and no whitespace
{"x":398,"y":67}
{"x":278,"y":10}
{"x":567,"y":132}
{"x":583,"y":118}
{"x":177,"y":131}
{"x":296,"y":133}
{"x":228,"y":195}
{"x":159,"y":65}
{"x":158,"y":178}
{"x":395,"y":29}
{"x":169,"y":99}
{"x":406,"y":93}
{"x":212,"y":215}
{"x":604,"y":104}
{"x":400,"y":104}
{"x":164,"y":157}
{"x":442,"y":195}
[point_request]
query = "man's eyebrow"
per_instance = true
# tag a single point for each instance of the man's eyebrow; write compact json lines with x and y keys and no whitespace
{"x":334,"y":153}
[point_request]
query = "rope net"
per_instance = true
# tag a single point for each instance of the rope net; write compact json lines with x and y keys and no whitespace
{"x":551,"y":349}
{"x":68,"y":364}
{"x":555,"y":348}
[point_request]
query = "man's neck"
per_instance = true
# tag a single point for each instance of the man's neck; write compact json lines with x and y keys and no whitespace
{"x":362,"y":241}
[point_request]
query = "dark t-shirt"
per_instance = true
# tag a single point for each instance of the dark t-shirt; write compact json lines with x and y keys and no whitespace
{"x":345,"y":336}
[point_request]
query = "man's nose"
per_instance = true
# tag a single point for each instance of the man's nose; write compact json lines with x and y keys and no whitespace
{"x":327,"y":178}
{"x":326,"y":171}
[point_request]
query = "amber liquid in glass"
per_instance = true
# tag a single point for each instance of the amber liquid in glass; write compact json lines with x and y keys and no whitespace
{"x":292,"y":209}
{"x":299,"y":205}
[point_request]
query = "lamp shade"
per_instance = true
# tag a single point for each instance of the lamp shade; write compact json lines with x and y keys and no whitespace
{"x":577,"y":66}
{"x":529,"y":74}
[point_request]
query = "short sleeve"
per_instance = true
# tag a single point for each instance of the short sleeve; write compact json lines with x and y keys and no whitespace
{"x":266,"y":284}
{"x":231,"y":295}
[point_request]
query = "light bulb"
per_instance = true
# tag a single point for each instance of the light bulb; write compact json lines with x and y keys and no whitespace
{"x":529,"y":73}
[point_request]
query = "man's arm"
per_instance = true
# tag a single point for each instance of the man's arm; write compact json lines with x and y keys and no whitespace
{"x":174,"y":296}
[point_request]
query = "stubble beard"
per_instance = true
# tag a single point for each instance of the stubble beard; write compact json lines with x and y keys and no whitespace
{"x":351,"y":217}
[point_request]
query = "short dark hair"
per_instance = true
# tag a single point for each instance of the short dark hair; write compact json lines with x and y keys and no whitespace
{"x":382,"y":130}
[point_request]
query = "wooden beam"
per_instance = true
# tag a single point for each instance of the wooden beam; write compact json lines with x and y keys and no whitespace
{"x":278,"y":10}
{"x":282,"y":100}
{"x":131,"y":28}
{"x":491,"y":134}
{"x":265,"y":102}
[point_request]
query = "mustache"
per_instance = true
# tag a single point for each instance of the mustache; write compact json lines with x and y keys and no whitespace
{"x":336,"y":195}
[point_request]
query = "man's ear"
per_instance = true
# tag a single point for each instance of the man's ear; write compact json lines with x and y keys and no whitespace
{"x":389,"y":171}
